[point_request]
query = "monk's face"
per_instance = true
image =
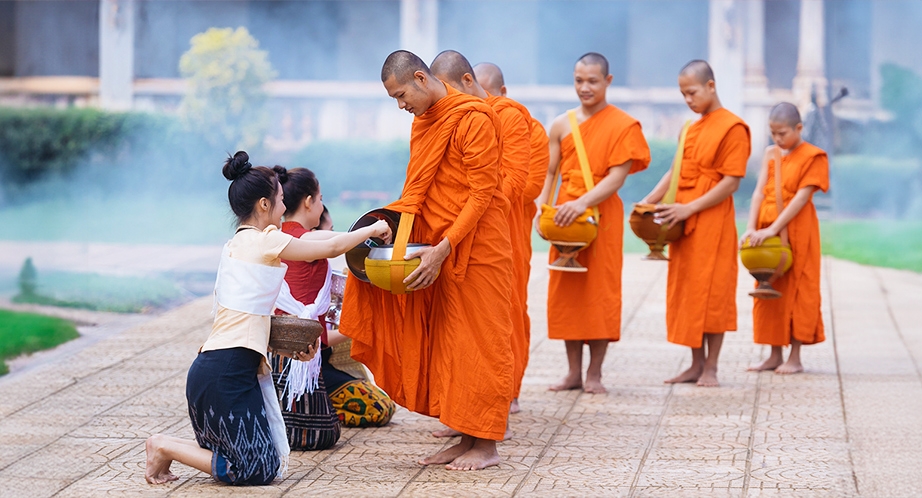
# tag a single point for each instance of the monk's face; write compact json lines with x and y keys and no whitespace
{"x":784,"y":135}
{"x":590,"y":83}
{"x":699,"y":96}
{"x":411,"y":95}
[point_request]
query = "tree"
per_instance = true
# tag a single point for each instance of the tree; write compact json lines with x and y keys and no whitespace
{"x":225,"y":73}
{"x":28,"y":279}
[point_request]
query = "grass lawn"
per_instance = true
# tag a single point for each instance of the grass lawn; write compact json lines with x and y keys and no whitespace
{"x":893,"y":244}
{"x":121,"y":294}
{"x":22,"y":333}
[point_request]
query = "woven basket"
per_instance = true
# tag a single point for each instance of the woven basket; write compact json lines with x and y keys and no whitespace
{"x":289,"y":334}
{"x":341,"y":360}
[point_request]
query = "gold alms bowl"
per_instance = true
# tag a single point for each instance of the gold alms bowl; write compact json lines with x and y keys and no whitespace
{"x":766,"y":256}
{"x":378,"y":265}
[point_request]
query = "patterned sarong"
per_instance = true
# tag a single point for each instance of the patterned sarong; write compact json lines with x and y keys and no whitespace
{"x":312,"y":423}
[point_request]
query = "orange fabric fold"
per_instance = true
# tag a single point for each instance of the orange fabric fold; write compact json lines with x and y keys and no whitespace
{"x":445,"y":351}
{"x":587,"y":306}
{"x":797,"y":312}
{"x":515,"y":143}
{"x":701,"y":285}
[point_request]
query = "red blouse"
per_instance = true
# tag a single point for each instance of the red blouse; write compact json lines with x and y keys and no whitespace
{"x":305,"y":278}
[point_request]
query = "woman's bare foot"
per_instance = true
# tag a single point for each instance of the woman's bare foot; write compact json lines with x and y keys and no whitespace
{"x":770,"y":363}
{"x":708,"y":378}
{"x":690,"y":375}
{"x":158,"y":465}
{"x":514,"y":406}
{"x":446,"y":432}
{"x":481,"y":455}
{"x":569,"y":383}
{"x":790,"y":367}
{"x":594,"y":387}
{"x":448,"y":455}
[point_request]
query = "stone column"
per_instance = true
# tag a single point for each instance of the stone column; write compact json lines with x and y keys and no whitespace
{"x":419,"y":27}
{"x":116,"y":54}
{"x":811,"y":72}
{"x":725,"y":51}
{"x":755,"y":45}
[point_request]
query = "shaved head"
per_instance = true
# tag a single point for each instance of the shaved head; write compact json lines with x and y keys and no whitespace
{"x":490,"y":77}
{"x":451,"y":66}
{"x":595,"y":59}
{"x":402,"y":65}
{"x":698,"y":69}
{"x":785,"y":113}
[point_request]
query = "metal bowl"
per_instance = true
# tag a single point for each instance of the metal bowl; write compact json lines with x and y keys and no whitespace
{"x":355,"y":257}
{"x":386,"y":252}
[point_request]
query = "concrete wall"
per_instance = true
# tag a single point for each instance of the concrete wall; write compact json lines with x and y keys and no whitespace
{"x":56,"y":38}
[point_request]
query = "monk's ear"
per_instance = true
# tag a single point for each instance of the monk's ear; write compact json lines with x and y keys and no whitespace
{"x":421,"y":78}
{"x":467,"y":80}
{"x":799,"y":127}
{"x":712,"y":87}
{"x":608,"y":79}
{"x":502,"y":90}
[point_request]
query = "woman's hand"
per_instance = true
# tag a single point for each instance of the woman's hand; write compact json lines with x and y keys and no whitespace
{"x":382,"y":230}
{"x":671,"y":214}
{"x":569,"y":211}
{"x":301,"y":355}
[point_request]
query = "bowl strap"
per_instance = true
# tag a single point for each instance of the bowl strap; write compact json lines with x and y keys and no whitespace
{"x":400,"y":250}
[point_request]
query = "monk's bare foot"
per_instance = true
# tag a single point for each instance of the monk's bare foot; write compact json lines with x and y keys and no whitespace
{"x":690,"y":375}
{"x":446,"y":432}
{"x":708,"y":378}
{"x":448,"y":455}
{"x":158,"y":466}
{"x":482,"y":455}
{"x":514,"y":407}
{"x":594,"y":387}
{"x":569,"y":383}
{"x":769,"y":364}
{"x":790,"y":367}
{"x":508,"y":435}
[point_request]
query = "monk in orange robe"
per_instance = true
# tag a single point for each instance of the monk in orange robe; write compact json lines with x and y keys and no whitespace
{"x":701,"y":284}
{"x":586,"y":307}
{"x":454,"y":69}
{"x":444,"y":349}
{"x":795,"y":318}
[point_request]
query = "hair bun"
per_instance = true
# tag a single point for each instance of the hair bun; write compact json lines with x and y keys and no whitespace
{"x":237,"y":166}
{"x":281,"y":173}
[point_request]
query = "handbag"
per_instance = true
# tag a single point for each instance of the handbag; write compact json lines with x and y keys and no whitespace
{"x":585,"y":227}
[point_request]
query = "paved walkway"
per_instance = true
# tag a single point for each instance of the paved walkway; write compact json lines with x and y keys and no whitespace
{"x":850,"y":426}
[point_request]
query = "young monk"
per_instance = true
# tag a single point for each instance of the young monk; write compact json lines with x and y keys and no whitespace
{"x":515,"y":122}
{"x":586,"y":307}
{"x":444,"y":349}
{"x":701,"y":285}
{"x":795,"y":318}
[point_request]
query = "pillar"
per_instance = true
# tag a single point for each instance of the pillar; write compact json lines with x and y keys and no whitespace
{"x":116,"y":54}
{"x":811,"y":72}
{"x":725,"y":51}
{"x":419,"y":27}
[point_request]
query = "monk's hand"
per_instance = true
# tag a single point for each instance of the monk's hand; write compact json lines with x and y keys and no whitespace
{"x":671,"y":214}
{"x":568,"y":212}
{"x":748,"y":233}
{"x":431,"y":259}
{"x":759,"y":236}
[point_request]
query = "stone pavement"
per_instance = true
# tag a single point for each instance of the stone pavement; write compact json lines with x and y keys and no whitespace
{"x":849,"y":426}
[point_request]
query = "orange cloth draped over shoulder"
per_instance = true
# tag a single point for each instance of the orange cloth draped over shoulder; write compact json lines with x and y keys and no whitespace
{"x":515,"y":138}
{"x":797,"y":312}
{"x":587,"y":306}
{"x":445,"y":351}
{"x":701,"y":284}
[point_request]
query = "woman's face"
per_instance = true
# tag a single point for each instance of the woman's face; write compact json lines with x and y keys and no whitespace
{"x":314,"y":209}
{"x":277,"y":209}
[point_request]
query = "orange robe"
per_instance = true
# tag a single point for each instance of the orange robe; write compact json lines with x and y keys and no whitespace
{"x":587,"y":306}
{"x":797,"y":313}
{"x":516,"y":152}
{"x":445,"y":351}
{"x":701,"y":285}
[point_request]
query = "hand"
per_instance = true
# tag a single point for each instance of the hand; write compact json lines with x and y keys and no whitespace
{"x":746,"y":235}
{"x":382,"y":230}
{"x":568,"y":212}
{"x":758,"y":237}
{"x":301,"y":355}
{"x":671,"y":214}
{"x":431,"y":259}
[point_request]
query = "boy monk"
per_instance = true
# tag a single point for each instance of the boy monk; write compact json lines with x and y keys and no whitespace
{"x":444,"y":349}
{"x":701,"y":284}
{"x":454,"y":69}
{"x":795,"y":318}
{"x":586,"y":307}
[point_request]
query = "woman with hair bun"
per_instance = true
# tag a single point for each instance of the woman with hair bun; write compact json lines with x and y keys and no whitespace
{"x":239,"y":433}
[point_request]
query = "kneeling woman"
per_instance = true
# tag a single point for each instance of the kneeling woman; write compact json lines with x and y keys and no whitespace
{"x":239,"y":433}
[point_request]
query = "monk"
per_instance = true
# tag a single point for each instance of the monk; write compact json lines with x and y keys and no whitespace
{"x":444,"y":349}
{"x":701,"y":282}
{"x":795,"y":318}
{"x":586,"y":307}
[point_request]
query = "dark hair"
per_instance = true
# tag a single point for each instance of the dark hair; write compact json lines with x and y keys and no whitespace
{"x":301,"y":183}
{"x":249,"y":184}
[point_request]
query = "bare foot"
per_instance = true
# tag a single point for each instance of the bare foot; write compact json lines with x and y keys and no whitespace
{"x":791,"y":367}
{"x":446,"y":432}
{"x":482,"y":455}
{"x":448,"y":455}
{"x":569,"y":383}
{"x":690,"y":375}
{"x":708,"y":378}
{"x":508,"y":435}
{"x":158,"y":466}
{"x":768,"y":364}
{"x":594,"y":387}
{"x":514,"y":407}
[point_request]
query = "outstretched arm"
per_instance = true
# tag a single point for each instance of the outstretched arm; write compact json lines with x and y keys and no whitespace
{"x":311,"y":250}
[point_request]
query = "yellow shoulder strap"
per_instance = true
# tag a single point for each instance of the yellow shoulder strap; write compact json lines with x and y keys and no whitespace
{"x":583,"y":160}
{"x":400,"y":250}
